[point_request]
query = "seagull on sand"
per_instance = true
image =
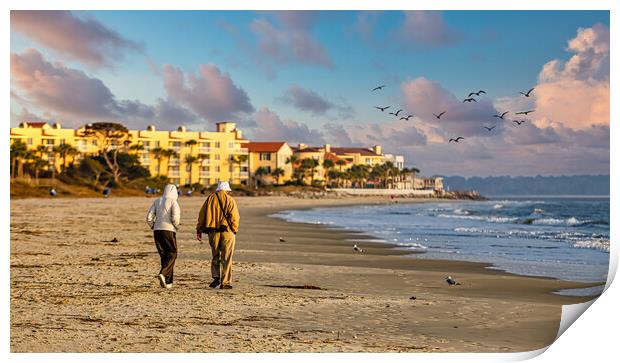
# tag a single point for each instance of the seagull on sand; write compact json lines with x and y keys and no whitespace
{"x":357,"y":249}
{"x":382,"y":108}
{"x":282,"y":239}
{"x":439,"y":116}
{"x":378,"y":88}
{"x":527,"y":94}
{"x":451,"y":281}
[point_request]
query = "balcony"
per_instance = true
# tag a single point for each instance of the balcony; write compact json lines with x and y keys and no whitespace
{"x":205,"y":174}
{"x":239,"y":150}
{"x":173,"y":174}
{"x":205,"y":162}
{"x":205,"y":150}
{"x":173,"y":162}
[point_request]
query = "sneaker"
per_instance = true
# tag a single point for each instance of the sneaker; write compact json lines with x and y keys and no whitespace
{"x":214,"y":283}
{"x":169,"y":286}
{"x":162,"y":280}
{"x":226,"y":287}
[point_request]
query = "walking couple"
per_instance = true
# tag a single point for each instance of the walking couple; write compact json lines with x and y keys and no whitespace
{"x":218,"y":217}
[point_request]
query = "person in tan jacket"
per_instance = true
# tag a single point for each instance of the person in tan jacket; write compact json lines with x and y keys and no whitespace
{"x":219,"y":218}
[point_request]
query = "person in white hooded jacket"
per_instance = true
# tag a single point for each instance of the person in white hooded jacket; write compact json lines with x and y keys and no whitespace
{"x":164,"y":218}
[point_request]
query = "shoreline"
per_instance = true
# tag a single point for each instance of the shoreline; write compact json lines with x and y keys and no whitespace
{"x":402,"y":250}
{"x":94,"y":296}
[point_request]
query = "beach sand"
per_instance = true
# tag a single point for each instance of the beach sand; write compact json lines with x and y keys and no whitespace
{"x":72,"y":291}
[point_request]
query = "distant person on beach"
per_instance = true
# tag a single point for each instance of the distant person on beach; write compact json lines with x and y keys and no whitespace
{"x":106,"y":192}
{"x":53,"y":192}
{"x":164,"y":217}
{"x":219,"y":218}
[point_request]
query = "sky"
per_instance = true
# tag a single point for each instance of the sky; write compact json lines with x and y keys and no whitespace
{"x":307,"y":77}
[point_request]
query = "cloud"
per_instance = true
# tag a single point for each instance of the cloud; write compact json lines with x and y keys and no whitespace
{"x":210,"y":94}
{"x":365,"y":24}
{"x":74,"y":96}
{"x":424,"y":98}
{"x":576,"y":92}
{"x":268,"y":126}
{"x":428,"y":28}
{"x":289,"y":39}
{"x":310,"y":101}
{"x":80,"y":38}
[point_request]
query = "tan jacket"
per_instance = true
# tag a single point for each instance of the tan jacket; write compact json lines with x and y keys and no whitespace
{"x":211,"y":215}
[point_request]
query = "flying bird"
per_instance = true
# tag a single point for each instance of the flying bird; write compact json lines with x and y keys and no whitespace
{"x":489,"y":128}
{"x":457,"y":139}
{"x":406,"y":118}
{"x":382,"y":108}
{"x":395,"y":113}
{"x":357,"y":249}
{"x":527,"y":94}
{"x":502,"y":115}
{"x":524,"y":112}
{"x":439,"y":116}
{"x":378,"y":88}
{"x":451,"y":281}
{"x":470,"y":99}
{"x":518,"y":122}
{"x":476,"y":93}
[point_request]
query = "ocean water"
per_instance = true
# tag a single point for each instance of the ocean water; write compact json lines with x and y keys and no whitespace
{"x":566,"y":238}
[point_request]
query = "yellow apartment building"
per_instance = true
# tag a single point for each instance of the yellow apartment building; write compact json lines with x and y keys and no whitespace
{"x":271,"y":156}
{"x":199,"y":157}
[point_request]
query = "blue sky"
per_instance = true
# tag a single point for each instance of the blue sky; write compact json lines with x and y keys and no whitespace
{"x":501,"y":52}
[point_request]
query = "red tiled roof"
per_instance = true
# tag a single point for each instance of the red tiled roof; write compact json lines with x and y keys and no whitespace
{"x":333,"y":157}
{"x":353,"y":150}
{"x":36,"y":124}
{"x":265,"y":147}
{"x":308,"y":149}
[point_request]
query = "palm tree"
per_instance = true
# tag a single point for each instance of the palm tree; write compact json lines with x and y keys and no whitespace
{"x":136,"y":148}
{"x":327,"y":166}
{"x":64,"y":150}
{"x":37,"y":163}
{"x":191,"y":144}
{"x":191,"y":160}
{"x":341,"y":163}
{"x":310,"y":164}
{"x":169,"y":153}
{"x":294,"y":161}
{"x":260,"y":172}
{"x":18,"y":151}
{"x":277,"y":173}
{"x":240,"y":159}
{"x":158,"y":153}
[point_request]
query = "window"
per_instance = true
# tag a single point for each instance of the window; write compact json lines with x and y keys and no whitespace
{"x":146,"y":143}
{"x":204,"y":169}
{"x":217,"y":144}
{"x":217,"y":156}
{"x":29,"y":141}
{"x":217,"y":169}
{"x":94,"y":142}
{"x":49,"y":142}
{"x":230,"y":168}
{"x":62,"y":141}
{"x":156,"y":143}
{"x":268,"y":167}
{"x":231,"y":145}
{"x":265,"y":156}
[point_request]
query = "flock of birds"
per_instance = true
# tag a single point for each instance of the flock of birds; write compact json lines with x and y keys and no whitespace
{"x":470,"y":98}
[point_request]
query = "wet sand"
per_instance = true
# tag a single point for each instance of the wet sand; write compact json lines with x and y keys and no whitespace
{"x":73,"y":291}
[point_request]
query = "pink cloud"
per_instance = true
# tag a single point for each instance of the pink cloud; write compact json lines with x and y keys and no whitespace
{"x":576,"y":92}
{"x":268,"y":126}
{"x":80,"y":38}
{"x":426,"y":28}
{"x":210,"y":94}
{"x":291,"y":39}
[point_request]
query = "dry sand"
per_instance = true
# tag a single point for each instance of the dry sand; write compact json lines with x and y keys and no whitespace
{"x":71,"y":291}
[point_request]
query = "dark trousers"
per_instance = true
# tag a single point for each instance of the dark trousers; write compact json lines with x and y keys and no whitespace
{"x":166,"y":242}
